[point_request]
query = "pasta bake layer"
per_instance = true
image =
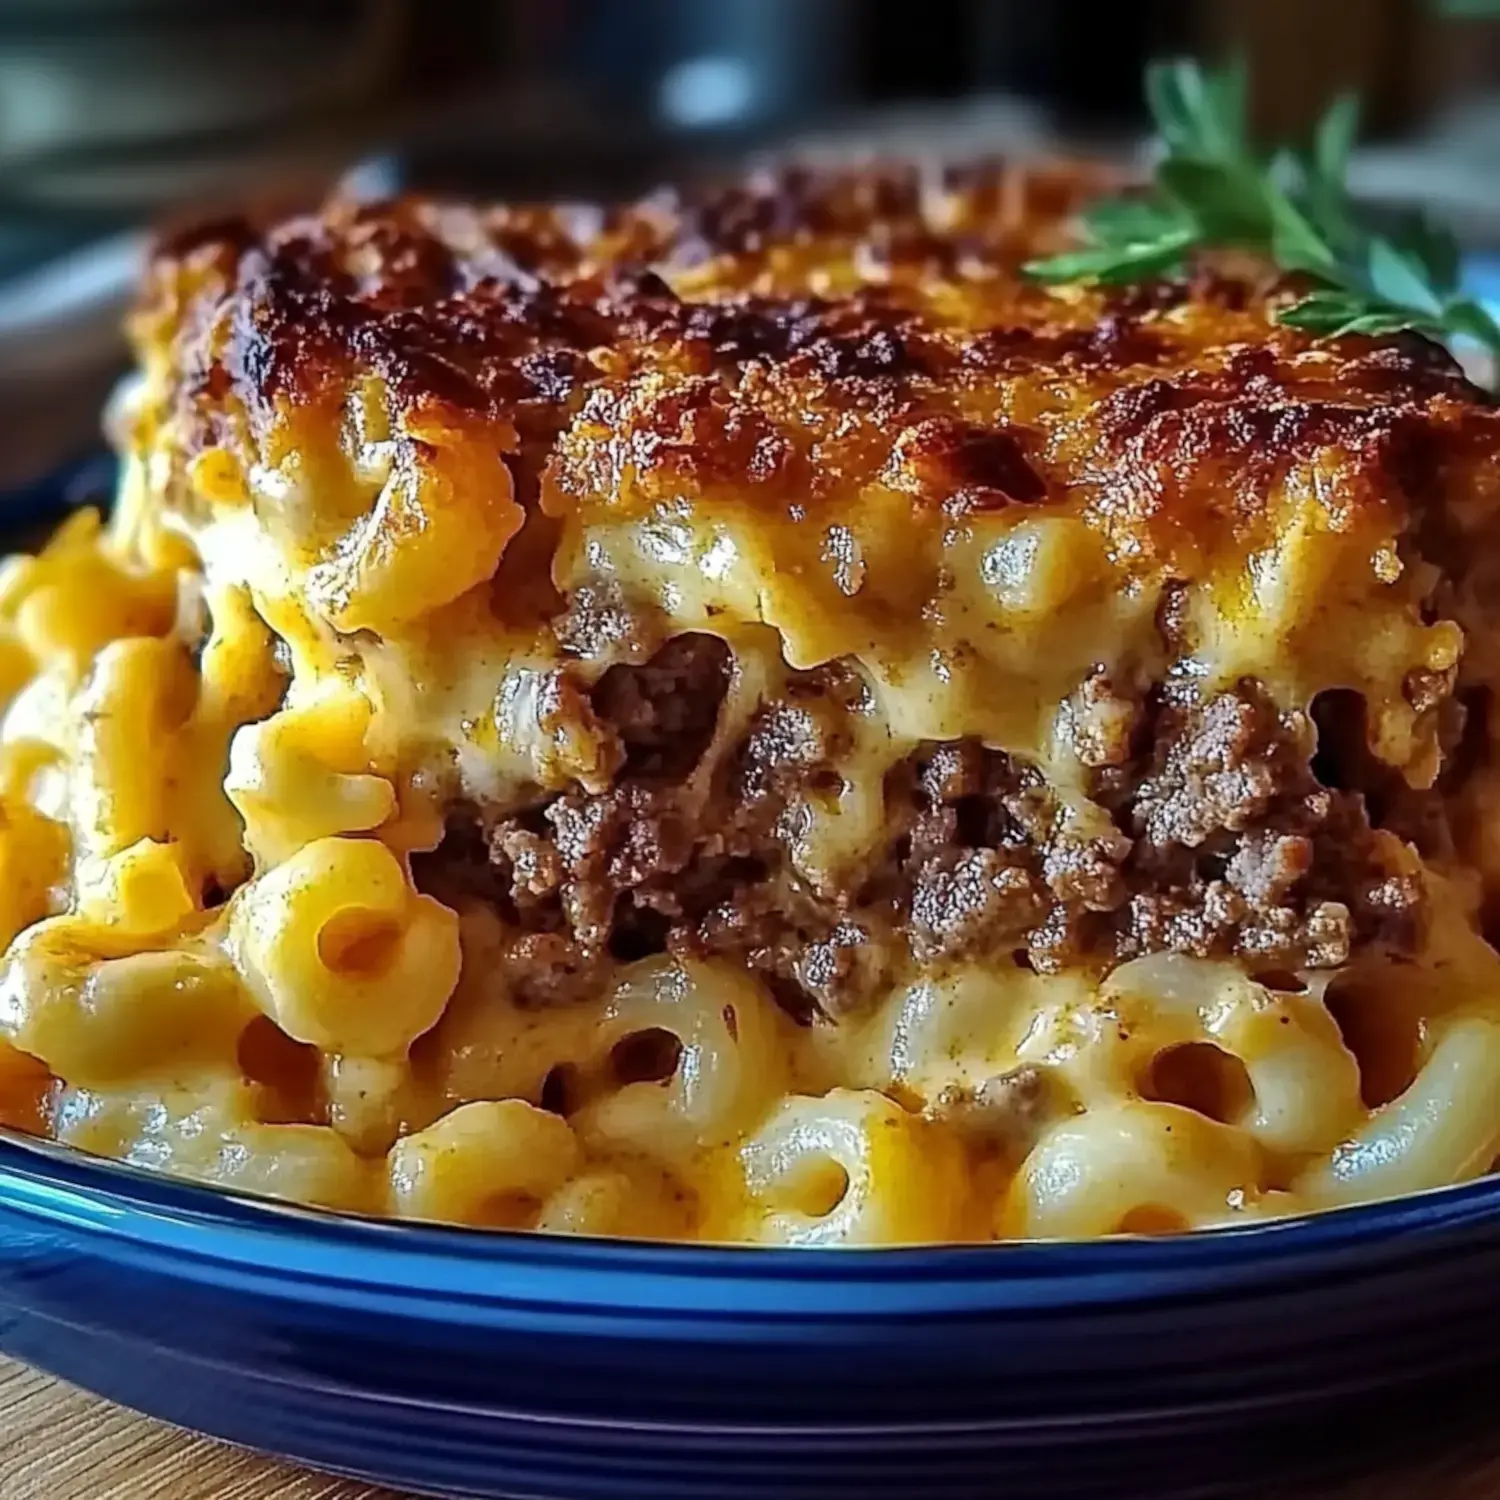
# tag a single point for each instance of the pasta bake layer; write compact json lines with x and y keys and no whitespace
{"x":741,"y":718}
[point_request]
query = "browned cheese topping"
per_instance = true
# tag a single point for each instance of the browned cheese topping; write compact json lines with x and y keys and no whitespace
{"x":878,"y":609}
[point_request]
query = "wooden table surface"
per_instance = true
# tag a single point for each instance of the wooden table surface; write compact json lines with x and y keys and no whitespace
{"x":58,"y":1444}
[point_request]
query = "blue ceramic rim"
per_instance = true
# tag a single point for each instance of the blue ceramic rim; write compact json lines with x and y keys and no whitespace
{"x":217,"y":1225}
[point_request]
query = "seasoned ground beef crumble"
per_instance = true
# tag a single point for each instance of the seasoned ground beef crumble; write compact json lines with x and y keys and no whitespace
{"x":1206,"y":832}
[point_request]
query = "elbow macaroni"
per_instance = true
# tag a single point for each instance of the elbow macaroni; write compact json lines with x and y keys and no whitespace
{"x":850,"y":1168}
{"x":490,"y":1162}
{"x":303,"y":774}
{"x":340,"y":952}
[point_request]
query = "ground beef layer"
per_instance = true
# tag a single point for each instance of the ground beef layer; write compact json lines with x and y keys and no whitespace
{"x":1206,"y":830}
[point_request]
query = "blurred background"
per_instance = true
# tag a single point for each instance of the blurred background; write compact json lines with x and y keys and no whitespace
{"x":117,"y":114}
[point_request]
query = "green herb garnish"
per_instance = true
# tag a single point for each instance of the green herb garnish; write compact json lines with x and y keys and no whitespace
{"x":1213,"y":188}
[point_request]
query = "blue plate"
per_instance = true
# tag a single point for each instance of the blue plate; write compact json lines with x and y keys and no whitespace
{"x":498,"y":1364}
{"x":492,"y":1364}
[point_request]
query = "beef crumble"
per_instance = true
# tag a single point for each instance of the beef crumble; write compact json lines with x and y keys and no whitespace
{"x":1004,"y":1115}
{"x":1239,"y":848}
{"x":1205,"y":831}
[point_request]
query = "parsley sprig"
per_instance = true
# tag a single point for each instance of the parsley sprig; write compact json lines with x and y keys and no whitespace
{"x":1213,"y":188}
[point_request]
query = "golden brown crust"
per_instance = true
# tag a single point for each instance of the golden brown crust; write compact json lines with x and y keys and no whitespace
{"x":805,"y":334}
{"x":845,"y":378}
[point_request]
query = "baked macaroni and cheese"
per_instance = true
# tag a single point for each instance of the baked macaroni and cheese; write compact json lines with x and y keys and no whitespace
{"x":742,"y":718}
